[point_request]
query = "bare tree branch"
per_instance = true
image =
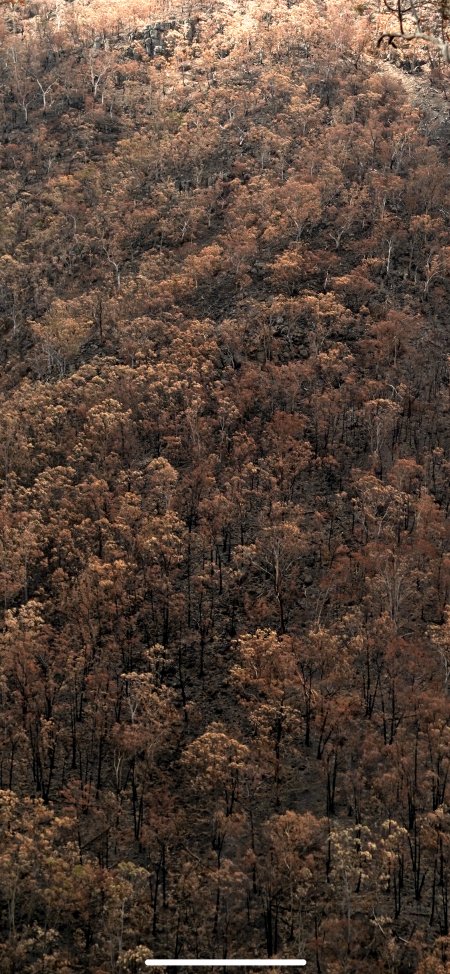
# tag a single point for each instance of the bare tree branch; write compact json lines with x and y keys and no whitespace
{"x":426,"y":22}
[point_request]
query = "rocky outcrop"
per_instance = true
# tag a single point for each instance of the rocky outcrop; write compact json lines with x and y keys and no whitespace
{"x":157,"y":39}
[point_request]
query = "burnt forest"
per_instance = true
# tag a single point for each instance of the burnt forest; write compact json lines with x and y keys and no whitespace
{"x":224,"y":484}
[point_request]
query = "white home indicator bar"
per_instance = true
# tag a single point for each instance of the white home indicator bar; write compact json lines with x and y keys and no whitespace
{"x":235,"y":962}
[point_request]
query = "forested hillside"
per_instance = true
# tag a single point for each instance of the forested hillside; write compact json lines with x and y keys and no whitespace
{"x":225,"y":495}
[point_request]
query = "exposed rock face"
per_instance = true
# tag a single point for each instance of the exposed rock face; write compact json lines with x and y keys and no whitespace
{"x":151,"y":40}
{"x":157,"y":39}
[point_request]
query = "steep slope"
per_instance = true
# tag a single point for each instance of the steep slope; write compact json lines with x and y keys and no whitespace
{"x":225,"y":492}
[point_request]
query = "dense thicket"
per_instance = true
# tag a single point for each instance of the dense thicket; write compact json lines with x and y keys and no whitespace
{"x":224,"y":522}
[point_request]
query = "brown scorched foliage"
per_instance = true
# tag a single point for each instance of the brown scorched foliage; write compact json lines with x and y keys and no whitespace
{"x":224,"y":513}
